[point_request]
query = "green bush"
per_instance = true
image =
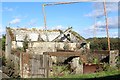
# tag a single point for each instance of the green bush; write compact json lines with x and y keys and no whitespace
{"x":106,"y":67}
{"x":3,"y":42}
{"x":118,"y":62}
{"x":25,"y":43}
{"x":101,"y":43}
{"x":11,"y":70}
{"x":3,"y":61}
{"x":95,"y":61}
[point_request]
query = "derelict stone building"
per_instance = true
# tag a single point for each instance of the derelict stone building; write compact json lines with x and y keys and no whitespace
{"x":40,"y":41}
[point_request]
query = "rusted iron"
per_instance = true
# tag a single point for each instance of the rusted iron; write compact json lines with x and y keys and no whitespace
{"x":60,"y":50}
{"x":62,"y":53}
{"x":92,"y":68}
{"x":101,"y":51}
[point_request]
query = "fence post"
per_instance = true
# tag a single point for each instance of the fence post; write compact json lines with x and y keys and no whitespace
{"x":46,"y":65}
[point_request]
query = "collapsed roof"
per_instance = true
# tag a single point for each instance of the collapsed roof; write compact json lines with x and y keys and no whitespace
{"x":33,"y":34}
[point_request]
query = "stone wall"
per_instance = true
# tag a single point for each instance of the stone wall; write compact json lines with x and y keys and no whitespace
{"x":24,"y":65}
{"x":32,"y":35}
{"x":40,"y":47}
{"x":8,"y":45}
{"x":113,"y":57}
{"x":76,"y":66}
{"x":37,"y":68}
{"x":32,"y":65}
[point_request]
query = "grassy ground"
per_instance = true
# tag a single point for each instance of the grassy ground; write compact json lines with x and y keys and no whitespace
{"x":57,"y":70}
{"x":107,"y":75}
{"x":94,"y":75}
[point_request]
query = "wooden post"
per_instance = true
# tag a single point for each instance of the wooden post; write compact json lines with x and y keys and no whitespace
{"x":45,"y":65}
{"x":43,"y":6}
{"x":21,"y":64}
{"x":105,"y":13}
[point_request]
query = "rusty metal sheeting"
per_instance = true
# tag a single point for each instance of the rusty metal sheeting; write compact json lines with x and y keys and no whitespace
{"x":92,"y":68}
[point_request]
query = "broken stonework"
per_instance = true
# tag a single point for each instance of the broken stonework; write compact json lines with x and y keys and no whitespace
{"x":76,"y":66}
{"x":113,"y":57}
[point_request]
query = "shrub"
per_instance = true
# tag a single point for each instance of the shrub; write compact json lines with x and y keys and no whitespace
{"x":3,"y":61}
{"x":118,"y":62}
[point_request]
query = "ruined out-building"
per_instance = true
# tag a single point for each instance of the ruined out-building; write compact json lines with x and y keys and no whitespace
{"x":34,"y":52}
{"x":57,"y":40}
{"x":38,"y":42}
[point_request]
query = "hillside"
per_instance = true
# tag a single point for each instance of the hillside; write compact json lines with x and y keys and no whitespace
{"x":101,"y":43}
